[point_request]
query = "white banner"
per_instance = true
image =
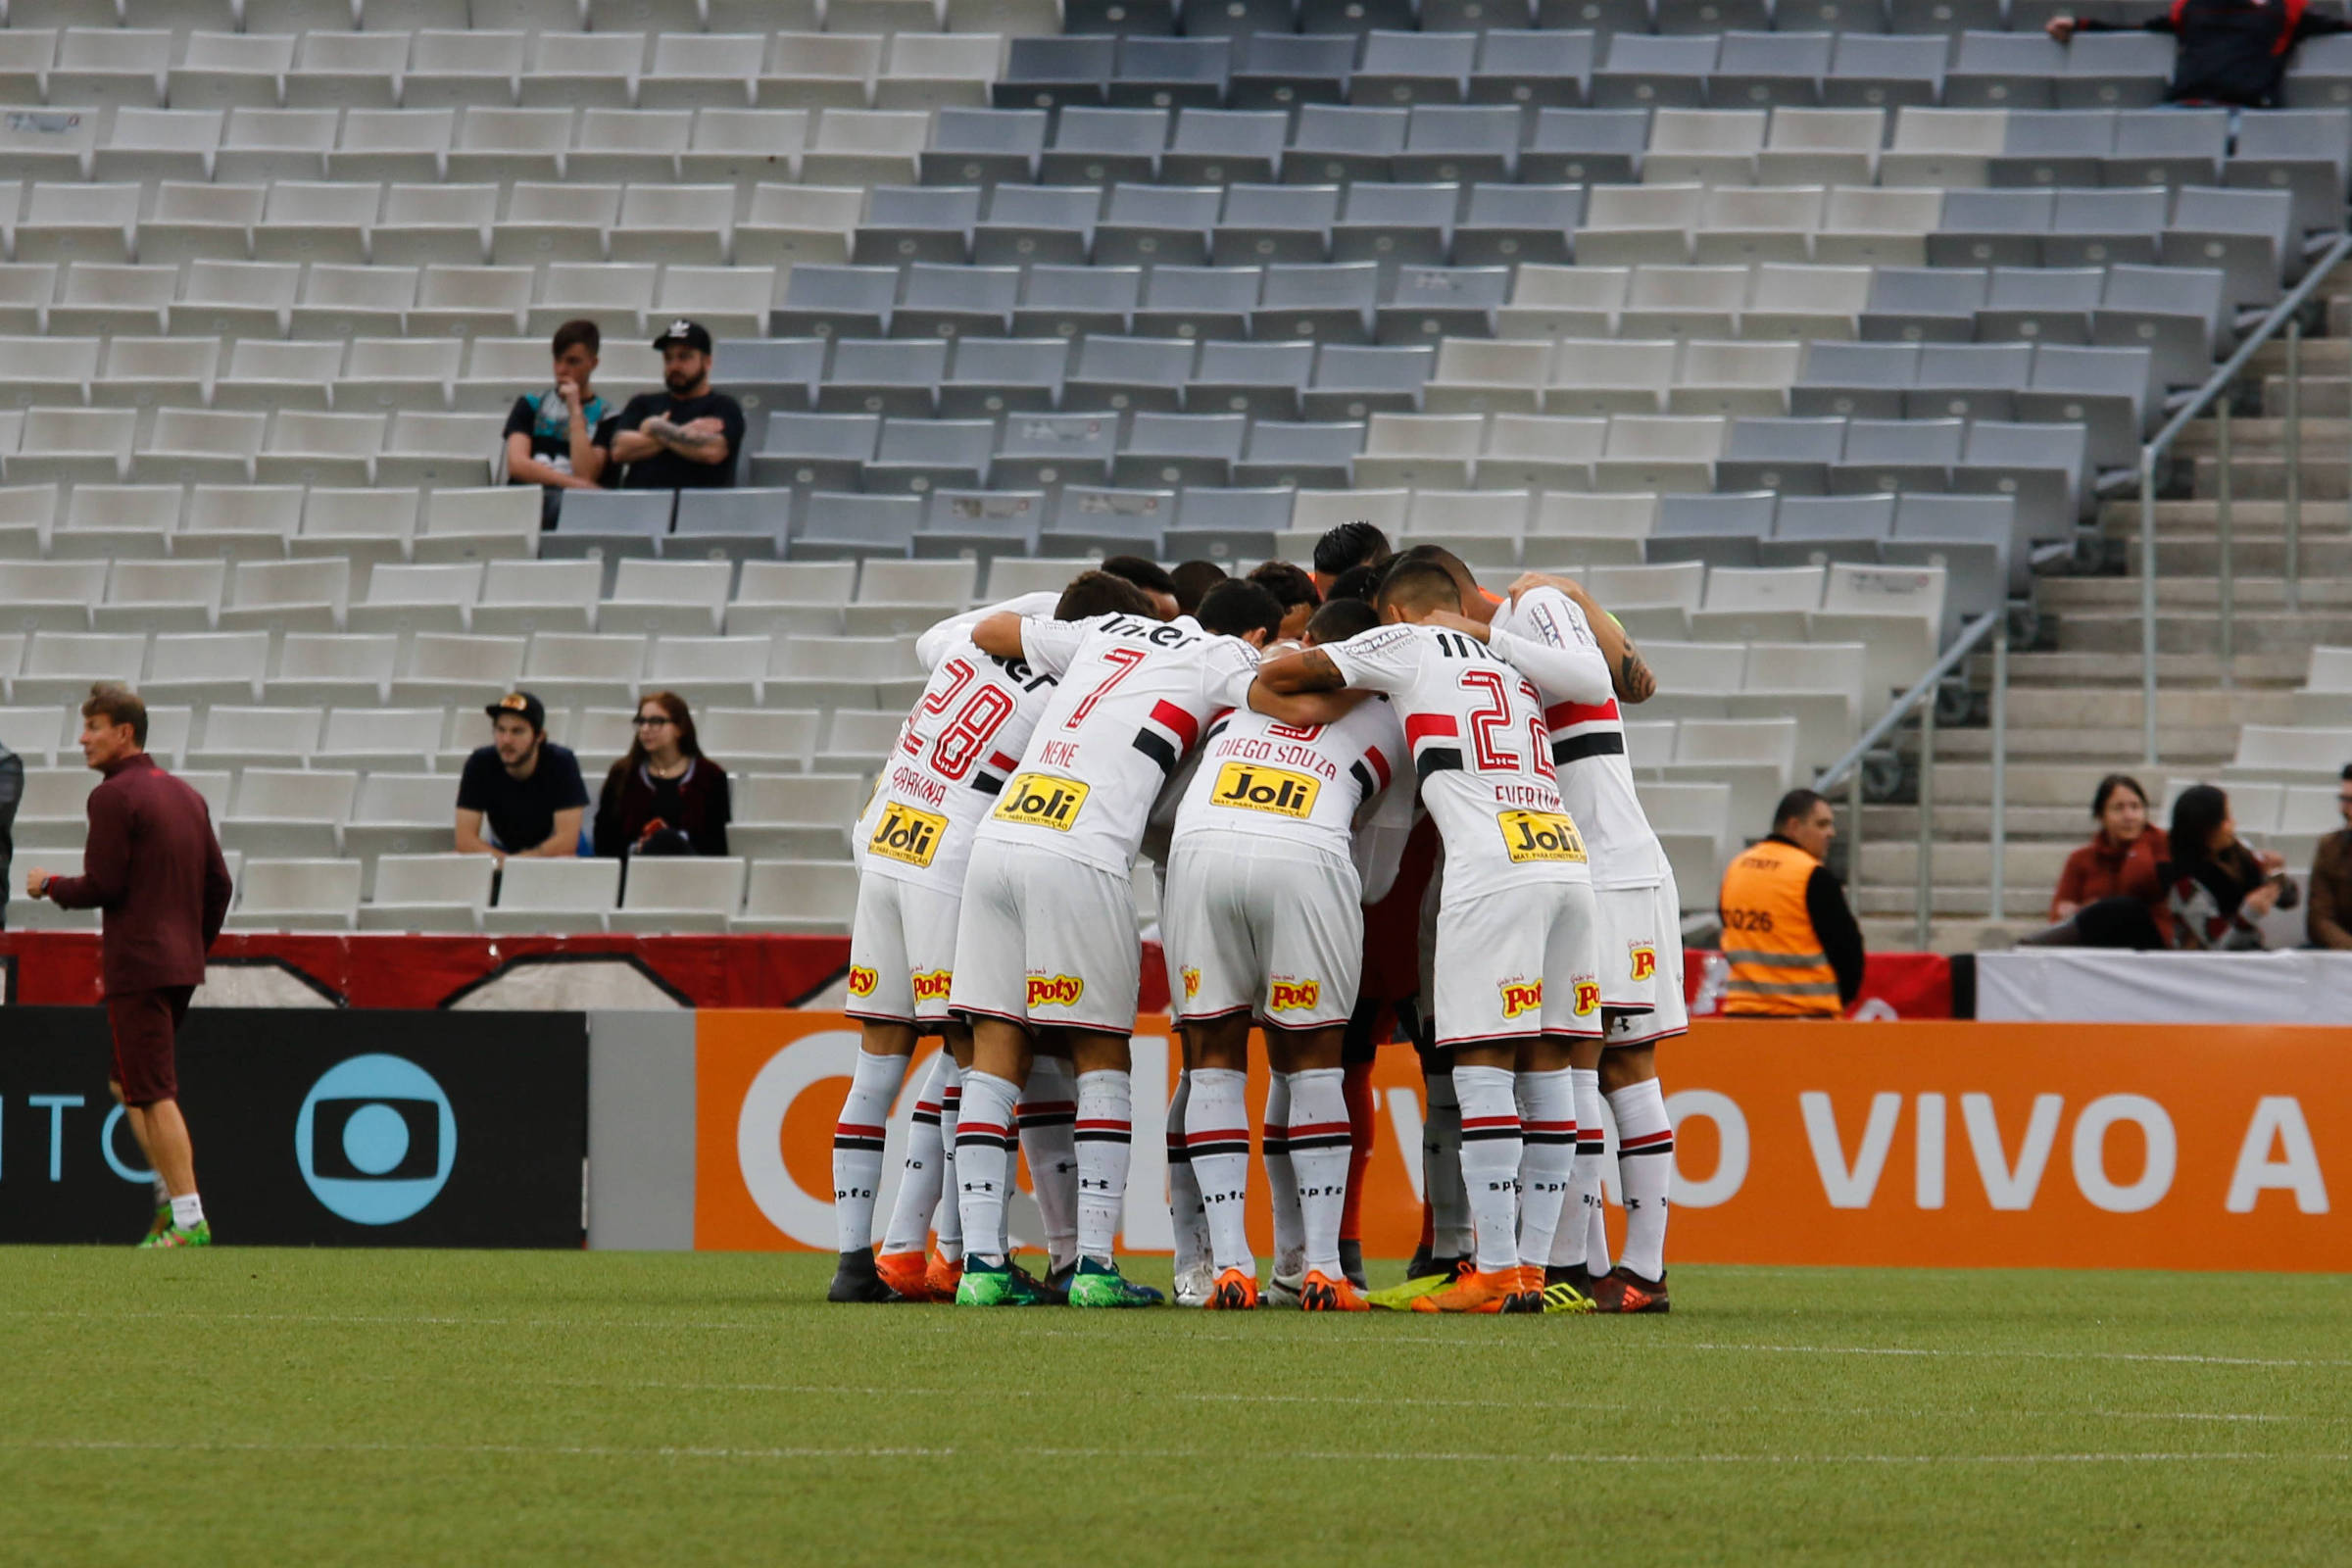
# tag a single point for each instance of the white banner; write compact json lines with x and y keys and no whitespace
{"x":2090,"y":985}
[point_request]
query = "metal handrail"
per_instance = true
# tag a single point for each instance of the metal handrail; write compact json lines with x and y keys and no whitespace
{"x":1975,"y":632}
{"x":2285,"y":315}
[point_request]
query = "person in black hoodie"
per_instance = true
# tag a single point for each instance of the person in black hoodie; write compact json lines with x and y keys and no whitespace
{"x":2232,"y":52}
{"x":2217,"y":888}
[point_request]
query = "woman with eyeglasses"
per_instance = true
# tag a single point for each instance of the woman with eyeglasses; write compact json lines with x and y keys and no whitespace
{"x":665,"y":797}
{"x":2218,"y":889}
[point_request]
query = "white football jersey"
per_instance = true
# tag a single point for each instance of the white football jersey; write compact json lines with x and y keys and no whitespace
{"x":954,"y":755}
{"x":1302,"y":784}
{"x":1547,"y":639}
{"x":1475,"y":725}
{"x":1134,"y":697}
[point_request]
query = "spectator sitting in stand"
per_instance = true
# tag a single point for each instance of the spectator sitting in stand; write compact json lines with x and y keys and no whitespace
{"x":2110,"y":893}
{"x":685,"y":436}
{"x":1194,"y":579}
{"x":2218,"y":889}
{"x":559,"y":439}
{"x":1345,"y":546}
{"x":1152,"y":578}
{"x":2231,"y":53}
{"x":1299,"y":594}
{"x":2330,"y":921}
{"x":665,"y":797}
{"x":523,"y":787}
{"x":12,"y":790}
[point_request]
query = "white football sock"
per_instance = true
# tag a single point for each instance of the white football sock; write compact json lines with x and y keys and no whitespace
{"x":1282,"y":1181}
{"x":163,"y":1194}
{"x":858,"y":1147}
{"x":1547,"y":1157}
{"x":1583,"y":1203}
{"x":1441,"y":1166}
{"x":923,"y":1172}
{"x":187,"y":1211}
{"x":1105,"y":1128}
{"x":1645,"y":1173}
{"x":1490,"y":1164}
{"x":1048,"y":1124}
{"x":984,"y":1156}
{"x":1184,"y":1190}
{"x":1319,"y":1154}
{"x":1216,"y":1134}
{"x":1597,"y":1241}
{"x":948,"y":1222}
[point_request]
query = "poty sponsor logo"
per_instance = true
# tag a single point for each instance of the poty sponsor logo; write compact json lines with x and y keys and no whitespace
{"x":1036,"y":799}
{"x":1295,"y":996}
{"x":1588,"y":996}
{"x":1192,"y":983}
{"x":933,"y":985}
{"x":1056,"y":991}
{"x":1645,"y":961}
{"x":1266,"y":789}
{"x":1522,"y":996}
{"x":862,"y":980}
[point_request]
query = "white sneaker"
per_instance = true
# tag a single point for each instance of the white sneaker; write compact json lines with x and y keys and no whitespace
{"x":1194,"y":1284}
{"x":1282,"y":1291}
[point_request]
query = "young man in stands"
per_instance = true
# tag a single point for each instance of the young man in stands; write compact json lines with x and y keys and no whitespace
{"x":522,"y":786}
{"x":560,"y":439}
{"x":685,"y":436}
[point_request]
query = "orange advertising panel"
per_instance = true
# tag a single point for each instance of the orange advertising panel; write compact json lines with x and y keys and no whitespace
{"x":1931,"y":1143}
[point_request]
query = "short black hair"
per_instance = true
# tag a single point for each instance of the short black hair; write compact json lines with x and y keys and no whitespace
{"x":1448,"y":562}
{"x":1099,"y":593}
{"x":1421,"y":583}
{"x":582,"y":333}
{"x":1149,"y":575}
{"x":1235,"y":608}
{"x":1342,"y":618}
{"x":1351,"y":544}
{"x":1194,"y":579}
{"x":2125,"y":781}
{"x":1288,"y":583}
{"x":1357,"y":582}
{"x":1796,"y":804}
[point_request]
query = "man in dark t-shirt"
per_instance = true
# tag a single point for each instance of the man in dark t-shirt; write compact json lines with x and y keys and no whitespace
{"x":685,"y":436}
{"x":522,"y":786}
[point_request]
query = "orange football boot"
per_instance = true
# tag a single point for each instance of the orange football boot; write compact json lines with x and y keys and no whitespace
{"x":904,"y":1273}
{"x":1320,"y":1293}
{"x":1474,"y":1292}
{"x":942,"y":1276}
{"x":1236,"y":1290}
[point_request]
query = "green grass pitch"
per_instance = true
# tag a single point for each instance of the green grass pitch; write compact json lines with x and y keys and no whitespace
{"x":262,"y":1406}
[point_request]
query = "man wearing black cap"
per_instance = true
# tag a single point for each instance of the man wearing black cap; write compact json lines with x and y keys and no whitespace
{"x":684,"y":437}
{"x":526,"y":787}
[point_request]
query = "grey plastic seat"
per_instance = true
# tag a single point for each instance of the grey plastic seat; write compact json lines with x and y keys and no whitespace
{"x":851,"y":527}
{"x":1265,"y":223}
{"x":2302,"y":152}
{"x":1196,"y":302}
{"x":1587,"y":146}
{"x":1424,"y":304}
{"x":978,"y":524}
{"x":1070,"y":302}
{"x":1091,"y":520}
{"x":1459,"y":144}
{"x":1228,"y":525}
{"x":2105,"y":390}
{"x":815,"y":451}
{"x":1507,"y":225}
{"x":918,"y":455}
{"x":984,"y":146}
{"x":2319,"y":74}
{"x":2043,"y":147}
{"x":2245,"y":233}
{"x":1893,"y":454}
{"x":1103,"y":146}
{"x":1538,"y":69}
{"x":1300,"y":456}
{"x":1925,"y":304}
{"x":1261,"y":379}
{"x":1041,"y":451}
{"x":916,"y":223}
{"x":1028,"y":225}
{"x":1868,"y":71}
{"x":1791,"y":457}
{"x":1158,"y":225}
{"x":1170,"y":72}
{"x":2101,"y":228}
{"x":1814,"y":530}
{"x":833,"y":301}
{"x":1282,"y":71}
{"x":1123,"y":373}
{"x":1215,"y":146}
{"x":899,"y":377}
{"x":1049,"y":72}
{"x":1180,"y":449}
{"x":993,"y":376}
{"x":772,"y":375}
{"x":1862,"y":381}
{"x":2041,"y":304}
{"x":1968,"y":381}
{"x":2174,"y":146}
{"x":1769,"y":70}
{"x":2004,"y":70}
{"x":1653,"y":73}
{"x":949,"y":302}
{"x":1720,"y":530}
{"x":1331,"y":303}
{"x":742,"y":524}
{"x":1992,"y":229}
{"x":1238,"y":20}
{"x":2176,"y":313}
{"x":1973,"y":536}
{"x":1353,"y":16}
{"x":608,"y":525}
{"x":1397,"y":224}
{"x":1944,"y":17}
{"x":1332,"y":144}
{"x":2115,"y":71}
{"x":1712,"y":16}
{"x":1413,"y":68}
{"x":1353,"y":382}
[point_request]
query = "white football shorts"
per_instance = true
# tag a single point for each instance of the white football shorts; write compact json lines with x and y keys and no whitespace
{"x":1046,"y":941}
{"x":1257,"y":926}
{"x":1514,"y":965}
{"x":902,"y":952}
{"x":1644,"y":938}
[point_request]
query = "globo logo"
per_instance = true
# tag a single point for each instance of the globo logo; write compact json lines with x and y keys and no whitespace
{"x":375,"y":1139}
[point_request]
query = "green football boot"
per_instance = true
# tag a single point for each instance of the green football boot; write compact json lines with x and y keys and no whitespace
{"x":1101,"y":1285}
{"x":179,"y":1236}
{"x":1001,"y":1285}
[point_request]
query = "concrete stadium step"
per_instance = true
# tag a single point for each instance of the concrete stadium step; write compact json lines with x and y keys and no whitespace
{"x":2252,"y":560}
{"x":2249,"y":518}
{"x":2121,"y":670}
{"x":2113,"y":738}
{"x":2261,"y":631}
{"x":2066,"y":785}
{"x":2260,"y":477}
{"x":2054,"y":707}
{"x":1962,"y":864}
{"x":2069,"y":824}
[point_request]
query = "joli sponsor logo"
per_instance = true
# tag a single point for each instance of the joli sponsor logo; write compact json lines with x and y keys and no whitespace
{"x":907,"y":835}
{"x":1266,"y":789}
{"x":1038,"y":801}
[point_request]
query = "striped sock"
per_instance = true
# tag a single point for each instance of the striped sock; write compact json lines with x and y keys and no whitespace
{"x":1282,"y":1181}
{"x":1547,"y":1158}
{"x":922,"y":1175}
{"x":1184,"y":1191}
{"x":1357,"y":1082}
{"x":983,"y":1158}
{"x":1490,"y":1164}
{"x":1591,"y":1145}
{"x":948,"y":1222}
{"x":1048,"y":1116}
{"x":1320,"y":1153}
{"x":1216,"y":1135}
{"x":1584,"y":1199}
{"x":1441,"y":1162}
{"x":858,"y":1147}
{"x":1645,"y":1173}
{"x":1106,"y":1113}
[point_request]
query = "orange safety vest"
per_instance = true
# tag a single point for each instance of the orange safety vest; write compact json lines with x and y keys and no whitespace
{"x":1778,"y":967}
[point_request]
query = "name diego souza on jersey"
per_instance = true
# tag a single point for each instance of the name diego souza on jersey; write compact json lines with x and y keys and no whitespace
{"x":1039,"y":800}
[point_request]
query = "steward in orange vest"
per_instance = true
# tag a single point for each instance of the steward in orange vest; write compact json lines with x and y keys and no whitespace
{"x":1793,"y":945}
